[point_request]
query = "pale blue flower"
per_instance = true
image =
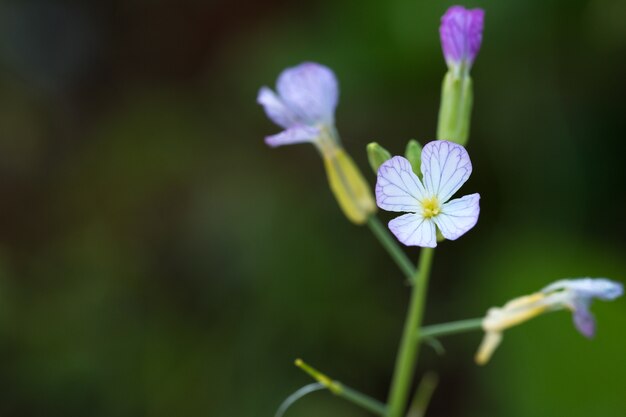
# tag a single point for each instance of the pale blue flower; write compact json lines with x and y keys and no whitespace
{"x":575,"y":295}
{"x":578,"y":294}
{"x":445,"y":168}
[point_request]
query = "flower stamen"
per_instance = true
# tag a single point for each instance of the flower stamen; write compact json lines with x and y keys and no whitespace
{"x":431,"y":207}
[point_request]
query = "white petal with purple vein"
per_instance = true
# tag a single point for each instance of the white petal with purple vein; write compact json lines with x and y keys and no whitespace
{"x":458,"y":216}
{"x":397,"y":187}
{"x":414,"y":230}
{"x":445,"y":168}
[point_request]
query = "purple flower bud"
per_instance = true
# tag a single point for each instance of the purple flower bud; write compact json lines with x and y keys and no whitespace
{"x":461,"y":34}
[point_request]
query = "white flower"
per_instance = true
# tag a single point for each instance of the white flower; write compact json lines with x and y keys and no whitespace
{"x":445,"y":168}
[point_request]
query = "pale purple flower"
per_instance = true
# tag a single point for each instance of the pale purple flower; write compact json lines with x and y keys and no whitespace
{"x":577,"y":295}
{"x":461,"y":33}
{"x":445,"y":168}
{"x":304,"y":106}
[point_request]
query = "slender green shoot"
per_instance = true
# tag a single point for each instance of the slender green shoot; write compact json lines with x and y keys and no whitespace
{"x":392,"y":247}
{"x":364,"y":401}
{"x":454,"y":327}
{"x":423,"y":394}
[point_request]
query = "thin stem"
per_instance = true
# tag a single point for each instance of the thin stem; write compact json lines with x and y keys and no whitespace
{"x":364,"y":401}
{"x":394,"y":250}
{"x":289,"y":401}
{"x":423,"y":394}
{"x":444,"y":329}
{"x":409,"y":345}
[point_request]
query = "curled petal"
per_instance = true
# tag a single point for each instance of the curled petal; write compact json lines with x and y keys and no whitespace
{"x":276,"y":109}
{"x":397,"y":187}
{"x":458,"y":216}
{"x":414,"y":230}
{"x":584,"y":320}
{"x":445,"y":168}
{"x":586,"y":288}
{"x":310,"y":90}
{"x":461,"y":33}
{"x":297,"y":134}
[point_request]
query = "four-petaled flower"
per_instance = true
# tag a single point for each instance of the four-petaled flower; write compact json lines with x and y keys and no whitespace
{"x":572,"y":294}
{"x":461,"y":33}
{"x":445,"y":168}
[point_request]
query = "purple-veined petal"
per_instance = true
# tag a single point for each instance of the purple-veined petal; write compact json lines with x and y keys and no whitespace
{"x":414,"y":230}
{"x":458,"y":216}
{"x":276,"y":109}
{"x":297,"y":134}
{"x":397,"y":187}
{"x":584,"y":320}
{"x":587,"y":288}
{"x":445,"y":168}
{"x":310,"y":90}
{"x":461,"y":33}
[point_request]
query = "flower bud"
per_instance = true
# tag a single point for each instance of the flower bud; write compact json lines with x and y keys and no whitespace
{"x":461,"y":36}
{"x":413,"y":153}
{"x":377,"y":155}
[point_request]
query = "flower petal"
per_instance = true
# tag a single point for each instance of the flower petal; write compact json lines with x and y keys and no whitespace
{"x":414,"y":230}
{"x":310,"y":90}
{"x":461,"y":33}
{"x":584,"y":320}
{"x":445,"y":168}
{"x":586,"y":288}
{"x":276,"y":109}
{"x":397,"y":187}
{"x":458,"y":216}
{"x":297,"y":134}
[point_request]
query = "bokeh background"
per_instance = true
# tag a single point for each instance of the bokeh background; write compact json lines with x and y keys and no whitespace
{"x":157,"y":259}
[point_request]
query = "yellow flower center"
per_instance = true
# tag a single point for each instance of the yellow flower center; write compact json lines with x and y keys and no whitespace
{"x":431,"y":207}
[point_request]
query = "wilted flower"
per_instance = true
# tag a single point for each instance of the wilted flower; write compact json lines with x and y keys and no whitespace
{"x":575,"y":295}
{"x":445,"y":168}
{"x":461,"y":33}
{"x":305,"y":108}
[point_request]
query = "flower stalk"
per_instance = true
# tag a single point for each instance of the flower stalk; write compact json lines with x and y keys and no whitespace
{"x":395,"y":251}
{"x":409,"y":345}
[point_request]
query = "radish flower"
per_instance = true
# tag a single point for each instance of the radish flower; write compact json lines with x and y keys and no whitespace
{"x":445,"y":168}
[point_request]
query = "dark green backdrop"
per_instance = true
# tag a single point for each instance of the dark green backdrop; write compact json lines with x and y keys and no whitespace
{"x":157,"y":259}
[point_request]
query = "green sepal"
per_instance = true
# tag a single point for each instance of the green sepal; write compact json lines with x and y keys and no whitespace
{"x":413,"y":153}
{"x":377,"y":155}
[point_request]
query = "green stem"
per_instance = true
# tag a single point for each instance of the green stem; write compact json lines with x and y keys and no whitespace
{"x":389,"y":243}
{"x":444,"y":329}
{"x":365,"y":401}
{"x":409,"y":345}
{"x":423,"y":394}
{"x":340,"y":390}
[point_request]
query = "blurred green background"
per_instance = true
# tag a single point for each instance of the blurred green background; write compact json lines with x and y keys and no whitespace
{"x":157,"y":259}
